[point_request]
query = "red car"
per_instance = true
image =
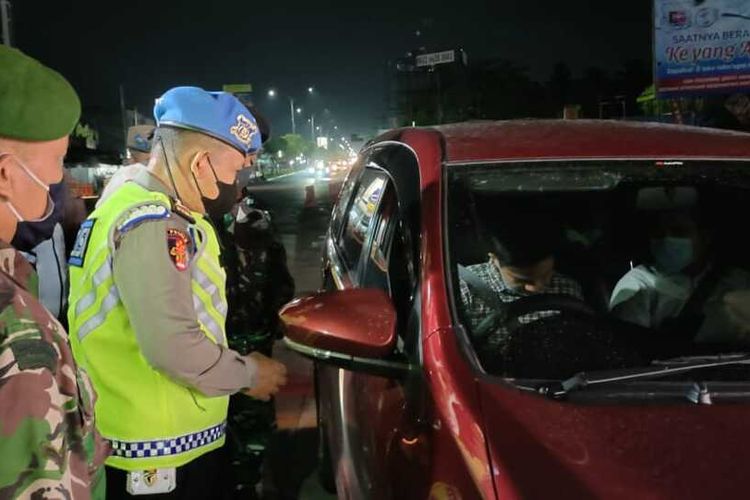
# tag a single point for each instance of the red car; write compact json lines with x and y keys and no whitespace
{"x":576,"y":402}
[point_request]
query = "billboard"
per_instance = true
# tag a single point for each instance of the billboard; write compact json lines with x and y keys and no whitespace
{"x":701,"y":47}
{"x":242,"y":91}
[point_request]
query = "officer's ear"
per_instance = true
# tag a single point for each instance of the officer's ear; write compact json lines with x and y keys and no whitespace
{"x":6,"y":182}
{"x":250,"y":160}
{"x":201,"y":165}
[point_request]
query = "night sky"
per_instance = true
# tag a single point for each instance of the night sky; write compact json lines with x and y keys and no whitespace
{"x":339,"y":48}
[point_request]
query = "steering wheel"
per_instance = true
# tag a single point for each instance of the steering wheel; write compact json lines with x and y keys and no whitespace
{"x":509,"y":316}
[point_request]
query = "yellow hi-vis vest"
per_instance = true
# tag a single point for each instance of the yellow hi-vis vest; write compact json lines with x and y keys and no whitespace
{"x":151,"y":420}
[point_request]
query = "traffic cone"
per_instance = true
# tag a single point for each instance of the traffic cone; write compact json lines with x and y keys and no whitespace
{"x":310,"y":196}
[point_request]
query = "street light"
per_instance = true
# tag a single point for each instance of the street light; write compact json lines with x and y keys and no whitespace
{"x":310,"y":90}
{"x":299,"y":110}
{"x":272,"y":94}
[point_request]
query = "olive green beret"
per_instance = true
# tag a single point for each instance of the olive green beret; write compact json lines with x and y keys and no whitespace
{"x":36,"y":102}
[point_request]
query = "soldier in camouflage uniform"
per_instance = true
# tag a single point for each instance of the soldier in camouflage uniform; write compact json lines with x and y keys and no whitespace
{"x":258,"y":284}
{"x":49,"y":447}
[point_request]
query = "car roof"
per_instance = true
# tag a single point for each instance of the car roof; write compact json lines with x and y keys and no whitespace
{"x":487,"y":141}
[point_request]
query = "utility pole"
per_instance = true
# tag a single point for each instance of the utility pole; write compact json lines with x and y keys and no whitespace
{"x":124,"y":119}
{"x":5,"y":21}
{"x":312,"y":127}
{"x":439,"y":95}
{"x":291,"y":110}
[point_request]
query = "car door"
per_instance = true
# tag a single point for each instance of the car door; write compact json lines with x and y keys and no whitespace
{"x":377,"y":446}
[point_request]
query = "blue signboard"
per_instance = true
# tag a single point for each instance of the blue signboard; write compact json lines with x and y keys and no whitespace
{"x":701,"y":47}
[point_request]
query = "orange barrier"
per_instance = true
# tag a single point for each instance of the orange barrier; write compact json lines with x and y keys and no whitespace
{"x":80,"y":189}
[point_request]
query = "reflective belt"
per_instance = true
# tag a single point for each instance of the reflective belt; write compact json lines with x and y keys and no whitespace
{"x":168,"y":446}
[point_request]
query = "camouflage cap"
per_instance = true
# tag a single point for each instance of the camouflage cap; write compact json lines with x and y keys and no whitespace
{"x":36,"y":102}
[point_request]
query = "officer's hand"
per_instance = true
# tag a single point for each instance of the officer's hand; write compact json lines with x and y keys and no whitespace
{"x":269,"y":378}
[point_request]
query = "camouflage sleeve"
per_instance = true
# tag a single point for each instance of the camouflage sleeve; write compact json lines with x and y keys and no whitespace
{"x":154,"y":283}
{"x":42,"y":435}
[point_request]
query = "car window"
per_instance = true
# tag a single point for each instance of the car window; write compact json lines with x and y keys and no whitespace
{"x":344,"y":199}
{"x":360,"y":215}
{"x":621,"y":263}
{"x":376,"y":270}
{"x":389,"y":265}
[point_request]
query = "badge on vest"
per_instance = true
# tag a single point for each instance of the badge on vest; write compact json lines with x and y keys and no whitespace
{"x":178,"y":246}
{"x":82,"y":242}
{"x":151,"y":482}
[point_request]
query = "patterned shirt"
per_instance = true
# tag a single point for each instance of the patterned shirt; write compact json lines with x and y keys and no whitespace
{"x":475,"y":309}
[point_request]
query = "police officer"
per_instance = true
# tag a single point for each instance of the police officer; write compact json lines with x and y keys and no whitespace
{"x":48,"y":444}
{"x":140,"y":138}
{"x":139,"y":143}
{"x":148,"y":303}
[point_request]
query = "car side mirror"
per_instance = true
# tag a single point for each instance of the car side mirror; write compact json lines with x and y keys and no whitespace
{"x":353,"y":329}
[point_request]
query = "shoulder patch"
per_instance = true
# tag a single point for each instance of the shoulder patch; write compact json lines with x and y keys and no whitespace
{"x":78,"y":254}
{"x":140,"y":214}
{"x":178,"y":246}
{"x":182,"y":210}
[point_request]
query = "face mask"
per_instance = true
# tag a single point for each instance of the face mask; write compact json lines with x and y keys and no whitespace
{"x":31,"y":232}
{"x":672,"y":255}
{"x":223,"y":203}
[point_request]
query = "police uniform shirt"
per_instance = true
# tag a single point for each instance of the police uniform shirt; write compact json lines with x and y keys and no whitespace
{"x":158,"y":298}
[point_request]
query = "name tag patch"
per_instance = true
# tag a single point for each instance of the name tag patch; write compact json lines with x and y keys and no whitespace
{"x":78,"y":253}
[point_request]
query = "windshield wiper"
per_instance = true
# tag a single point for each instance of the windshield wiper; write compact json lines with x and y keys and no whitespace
{"x":659,"y":368}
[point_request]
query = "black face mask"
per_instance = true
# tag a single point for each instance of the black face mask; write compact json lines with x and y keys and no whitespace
{"x":223,"y":203}
{"x":29,"y":234}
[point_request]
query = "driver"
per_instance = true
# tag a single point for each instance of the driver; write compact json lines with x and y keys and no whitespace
{"x":521,"y":263}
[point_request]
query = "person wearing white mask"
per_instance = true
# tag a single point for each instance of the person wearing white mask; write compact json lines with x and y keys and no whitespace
{"x":684,"y":289}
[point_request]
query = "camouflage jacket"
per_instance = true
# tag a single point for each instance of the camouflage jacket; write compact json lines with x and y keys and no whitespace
{"x":258,"y":279}
{"x":49,"y":447}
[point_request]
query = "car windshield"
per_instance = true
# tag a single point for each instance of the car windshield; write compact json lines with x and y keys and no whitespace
{"x":563,"y":267}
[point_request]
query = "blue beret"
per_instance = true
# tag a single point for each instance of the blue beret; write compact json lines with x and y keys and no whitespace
{"x":218,"y":114}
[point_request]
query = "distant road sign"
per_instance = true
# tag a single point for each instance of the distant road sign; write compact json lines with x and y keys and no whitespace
{"x":434,"y":58}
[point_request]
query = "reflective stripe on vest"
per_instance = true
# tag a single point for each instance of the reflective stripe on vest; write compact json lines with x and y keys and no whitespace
{"x":109,"y":302}
{"x":209,"y":291}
